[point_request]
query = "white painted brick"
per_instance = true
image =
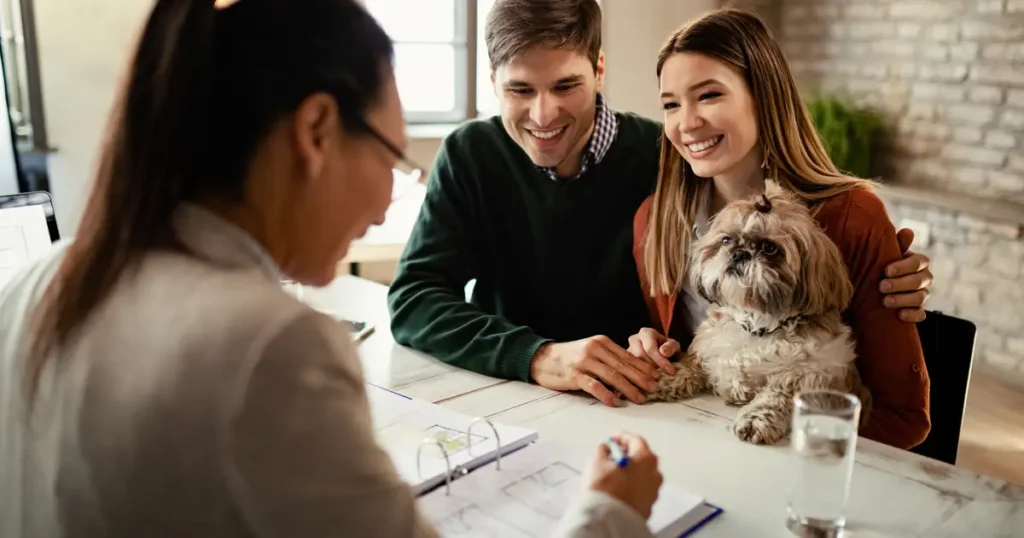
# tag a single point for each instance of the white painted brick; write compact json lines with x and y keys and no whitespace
{"x":870,"y":30}
{"x":864,"y":11}
{"x":1016,"y":163}
{"x":970,"y":223}
{"x":1015,"y":346}
{"x":972,"y":177}
{"x":1015,"y":6}
{"x":944,"y":33}
{"x":964,"y":294}
{"x":922,"y":111}
{"x":825,"y":11}
{"x":970,"y":254}
{"x":1004,"y":261}
{"x":991,"y":6}
{"x":992,"y":95}
{"x":1007,"y":182}
{"x":964,"y":52}
{"x":969,"y":114}
{"x":934,"y":10}
{"x":796,"y":12}
{"x":989,"y":339}
{"x":908,"y":30}
{"x":1003,"y":51}
{"x":998,"y":73}
{"x":1006,"y":29}
{"x":936,"y":53}
{"x":933,"y":131}
{"x":1006,"y":231}
{"x":810,"y":29}
{"x":968,"y":135}
{"x":904,"y":70}
{"x":1013,"y":119}
{"x":893,"y":48}
{"x":1015,"y":98}
{"x":1000,"y":140}
{"x":1004,"y":315}
{"x":974,"y":274}
{"x":1001,"y":359}
{"x":931,"y":91}
{"x":873,"y":70}
{"x":949,"y":72}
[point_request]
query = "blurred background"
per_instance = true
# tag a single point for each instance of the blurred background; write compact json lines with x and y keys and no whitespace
{"x":927,"y":95}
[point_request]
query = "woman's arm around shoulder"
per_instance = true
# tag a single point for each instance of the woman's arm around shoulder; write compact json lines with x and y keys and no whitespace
{"x":300,"y":454}
{"x":889,"y":355}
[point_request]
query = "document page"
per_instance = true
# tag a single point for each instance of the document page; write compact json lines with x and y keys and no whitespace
{"x":531,"y":492}
{"x":24,"y":237}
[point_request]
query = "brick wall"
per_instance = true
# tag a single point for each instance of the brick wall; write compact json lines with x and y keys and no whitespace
{"x":949,"y":74}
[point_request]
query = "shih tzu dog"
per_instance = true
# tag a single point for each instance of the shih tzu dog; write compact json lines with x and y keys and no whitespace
{"x":777,"y":287}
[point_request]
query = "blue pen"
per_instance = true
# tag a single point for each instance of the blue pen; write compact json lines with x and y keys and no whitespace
{"x":617,"y":454}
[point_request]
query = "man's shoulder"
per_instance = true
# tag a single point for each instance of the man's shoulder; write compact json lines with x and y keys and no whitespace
{"x":475,"y":135}
{"x":635,"y":126}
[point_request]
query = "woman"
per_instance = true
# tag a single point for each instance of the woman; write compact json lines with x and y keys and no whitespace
{"x":734,"y":117}
{"x":155,"y":379}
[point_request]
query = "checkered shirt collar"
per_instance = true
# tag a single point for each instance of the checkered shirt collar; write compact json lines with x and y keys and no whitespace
{"x":606,"y":126}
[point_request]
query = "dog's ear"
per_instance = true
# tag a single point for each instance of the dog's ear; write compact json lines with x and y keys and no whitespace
{"x":707,"y":290}
{"x":826,"y":281}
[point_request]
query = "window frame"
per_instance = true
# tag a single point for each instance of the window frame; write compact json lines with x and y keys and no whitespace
{"x":464,"y":45}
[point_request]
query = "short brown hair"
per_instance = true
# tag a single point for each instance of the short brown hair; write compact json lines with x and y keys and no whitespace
{"x":513,"y":26}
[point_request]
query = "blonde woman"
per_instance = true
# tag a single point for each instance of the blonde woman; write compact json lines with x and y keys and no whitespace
{"x":733,"y":118}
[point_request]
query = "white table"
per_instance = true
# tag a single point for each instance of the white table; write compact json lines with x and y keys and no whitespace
{"x":894,"y":493}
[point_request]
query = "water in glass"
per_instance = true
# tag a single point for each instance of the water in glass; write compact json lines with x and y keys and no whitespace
{"x":824,"y":441}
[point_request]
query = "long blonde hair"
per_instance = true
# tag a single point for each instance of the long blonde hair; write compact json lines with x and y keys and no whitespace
{"x":794,"y":154}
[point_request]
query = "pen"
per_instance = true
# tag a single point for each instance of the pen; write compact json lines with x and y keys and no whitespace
{"x":617,"y":454}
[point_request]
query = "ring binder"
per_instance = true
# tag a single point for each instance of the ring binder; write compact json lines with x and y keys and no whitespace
{"x":497,"y":439}
{"x":447,"y":462}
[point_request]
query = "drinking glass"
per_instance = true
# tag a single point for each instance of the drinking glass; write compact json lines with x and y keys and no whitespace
{"x":824,"y":444}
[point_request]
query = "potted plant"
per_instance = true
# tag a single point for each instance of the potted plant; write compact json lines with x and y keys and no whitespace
{"x":851,"y":134}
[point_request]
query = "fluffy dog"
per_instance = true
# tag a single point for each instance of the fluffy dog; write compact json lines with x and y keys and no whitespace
{"x":777,"y":287}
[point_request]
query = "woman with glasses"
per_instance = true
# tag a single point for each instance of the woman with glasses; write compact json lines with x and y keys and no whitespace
{"x":155,"y":379}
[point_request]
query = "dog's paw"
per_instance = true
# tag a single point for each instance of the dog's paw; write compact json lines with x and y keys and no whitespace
{"x":761,"y":426}
{"x":738,"y":395}
{"x":675,"y":388}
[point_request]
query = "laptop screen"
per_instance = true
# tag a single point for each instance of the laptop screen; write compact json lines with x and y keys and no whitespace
{"x":28,"y":228}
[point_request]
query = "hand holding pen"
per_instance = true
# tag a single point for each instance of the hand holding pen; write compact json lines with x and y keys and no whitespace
{"x":625,"y":468}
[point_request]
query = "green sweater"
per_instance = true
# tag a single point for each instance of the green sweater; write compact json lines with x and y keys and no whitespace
{"x":552,"y":260}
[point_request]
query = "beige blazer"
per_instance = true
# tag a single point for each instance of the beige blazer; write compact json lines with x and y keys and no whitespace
{"x":201,"y":400}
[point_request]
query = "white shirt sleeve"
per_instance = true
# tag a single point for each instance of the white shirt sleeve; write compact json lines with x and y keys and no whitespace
{"x":301,"y":458}
{"x":599,"y":515}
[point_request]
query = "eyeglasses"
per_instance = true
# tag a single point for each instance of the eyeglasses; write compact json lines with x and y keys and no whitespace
{"x":405,"y":165}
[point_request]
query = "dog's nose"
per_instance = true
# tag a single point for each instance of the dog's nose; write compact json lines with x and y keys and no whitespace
{"x":741,"y":255}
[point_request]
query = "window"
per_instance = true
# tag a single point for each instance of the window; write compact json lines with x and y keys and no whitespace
{"x":21,"y":73}
{"x":442,"y":69}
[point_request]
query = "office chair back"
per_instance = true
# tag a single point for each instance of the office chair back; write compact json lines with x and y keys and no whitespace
{"x":948,"y":345}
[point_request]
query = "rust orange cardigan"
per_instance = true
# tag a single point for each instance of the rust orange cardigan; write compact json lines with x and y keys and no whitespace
{"x":889,"y":355}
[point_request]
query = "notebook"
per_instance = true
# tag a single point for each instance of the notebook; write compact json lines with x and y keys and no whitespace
{"x":430,"y":444}
{"x":506,"y":482}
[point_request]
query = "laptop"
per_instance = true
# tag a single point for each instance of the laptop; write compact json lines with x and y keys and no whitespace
{"x":28,"y":230}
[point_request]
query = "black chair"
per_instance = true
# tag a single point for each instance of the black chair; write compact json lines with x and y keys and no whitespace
{"x":948,"y":344}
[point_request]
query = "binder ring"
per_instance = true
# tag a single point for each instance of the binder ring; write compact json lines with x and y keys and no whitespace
{"x":497,"y":439}
{"x":447,"y":462}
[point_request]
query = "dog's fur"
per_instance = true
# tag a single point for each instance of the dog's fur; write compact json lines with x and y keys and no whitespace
{"x":777,"y":287}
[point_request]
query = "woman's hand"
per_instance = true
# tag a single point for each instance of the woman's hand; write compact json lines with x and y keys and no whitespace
{"x":652,"y":346}
{"x":636,"y":484}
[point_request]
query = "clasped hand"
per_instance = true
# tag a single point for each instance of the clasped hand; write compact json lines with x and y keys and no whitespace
{"x":597,"y":365}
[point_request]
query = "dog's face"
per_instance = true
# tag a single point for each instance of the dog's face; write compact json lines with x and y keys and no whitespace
{"x":770,"y":258}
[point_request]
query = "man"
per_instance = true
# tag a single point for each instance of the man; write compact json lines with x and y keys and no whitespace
{"x":537,"y":206}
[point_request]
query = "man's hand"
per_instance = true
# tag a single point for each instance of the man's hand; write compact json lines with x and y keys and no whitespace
{"x":652,"y":346}
{"x":585,"y":364}
{"x":908,"y":280}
